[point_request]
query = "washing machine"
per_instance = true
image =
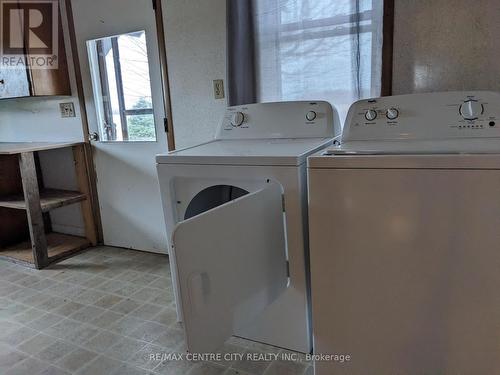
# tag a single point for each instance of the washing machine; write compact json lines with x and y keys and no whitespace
{"x":236,"y":215}
{"x":405,"y":240}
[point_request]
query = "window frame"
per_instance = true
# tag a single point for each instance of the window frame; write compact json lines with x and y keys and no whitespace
{"x":387,"y":47}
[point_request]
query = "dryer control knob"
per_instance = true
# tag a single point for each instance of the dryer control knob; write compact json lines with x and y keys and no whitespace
{"x":311,"y":116}
{"x":371,"y":115}
{"x":238,"y":119}
{"x":392,"y":113}
{"x":471,"y":109}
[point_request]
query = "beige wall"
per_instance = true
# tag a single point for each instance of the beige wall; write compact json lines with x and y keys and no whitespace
{"x":196,"y":52}
{"x":442,"y":45}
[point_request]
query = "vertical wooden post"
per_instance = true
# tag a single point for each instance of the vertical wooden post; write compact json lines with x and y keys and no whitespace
{"x":84,"y":187}
{"x":33,"y":209}
{"x":69,"y":24}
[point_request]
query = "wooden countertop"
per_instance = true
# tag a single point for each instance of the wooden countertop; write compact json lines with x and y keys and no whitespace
{"x":11,"y":148}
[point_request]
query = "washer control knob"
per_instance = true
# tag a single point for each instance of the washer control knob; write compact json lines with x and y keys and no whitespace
{"x":238,"y":119}
{"x":392,"y":113}
{"x":311,"y":116}
{"x":371,"y":115}
{"x":471,"y":109}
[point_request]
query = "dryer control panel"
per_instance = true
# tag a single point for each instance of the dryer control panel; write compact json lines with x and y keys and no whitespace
{"x":297,"y":119}
{"x":429,"y":116}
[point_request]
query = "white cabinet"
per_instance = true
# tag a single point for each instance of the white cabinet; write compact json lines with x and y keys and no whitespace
{"x":14,"y":83}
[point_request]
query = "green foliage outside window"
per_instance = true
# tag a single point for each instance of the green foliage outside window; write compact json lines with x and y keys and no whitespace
{"x":141,"y":127}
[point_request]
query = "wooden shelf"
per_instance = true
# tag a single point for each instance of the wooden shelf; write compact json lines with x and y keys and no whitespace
{"x":58,"y":245}
{"x":49,"y":199}
{"x":14,"y":148}
{"x":22,"y":192}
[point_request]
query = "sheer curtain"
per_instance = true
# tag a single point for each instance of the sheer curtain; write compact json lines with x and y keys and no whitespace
{"x":317,"y":49}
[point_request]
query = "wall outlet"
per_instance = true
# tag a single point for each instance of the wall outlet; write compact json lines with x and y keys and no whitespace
{"x":67,"y":109}
{"x":218,"y":89}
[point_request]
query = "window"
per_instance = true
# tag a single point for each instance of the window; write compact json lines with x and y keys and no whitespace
{"x":318,"y":49}
{"x":122,"y":90}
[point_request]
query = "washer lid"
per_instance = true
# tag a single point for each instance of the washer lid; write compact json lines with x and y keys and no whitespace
{"x":288,"y":151}
{"x":418,"y":147}
{"x":442,"y":154}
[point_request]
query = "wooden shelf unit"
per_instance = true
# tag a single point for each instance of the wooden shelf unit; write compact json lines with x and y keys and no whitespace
{"x":21,"y":189}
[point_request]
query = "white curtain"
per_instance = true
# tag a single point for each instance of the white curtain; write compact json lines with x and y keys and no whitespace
{"x":318,"y":50}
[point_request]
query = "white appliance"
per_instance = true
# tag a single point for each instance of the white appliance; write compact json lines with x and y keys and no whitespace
{"x":405,"y":237}
{"x":236,"y":216}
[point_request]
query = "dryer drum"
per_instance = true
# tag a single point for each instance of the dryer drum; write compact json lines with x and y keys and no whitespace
{"x":212,"y":197}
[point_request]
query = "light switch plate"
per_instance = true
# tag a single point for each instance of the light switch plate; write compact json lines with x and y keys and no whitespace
{"x":218,"y":89}
{"x":67,"y":109}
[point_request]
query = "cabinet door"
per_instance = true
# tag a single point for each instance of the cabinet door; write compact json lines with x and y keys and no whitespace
{"x":52,"y":81}
{"x":231,"y":265}
{"x":14,"y":83}
{"x":33,"y":80}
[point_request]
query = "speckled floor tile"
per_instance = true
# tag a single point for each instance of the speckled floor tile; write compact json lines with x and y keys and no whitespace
{"x":104,"y":312}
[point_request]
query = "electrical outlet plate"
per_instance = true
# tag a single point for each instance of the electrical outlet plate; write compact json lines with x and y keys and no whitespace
{"x":218,"y":89}
{"x":67,"y":109}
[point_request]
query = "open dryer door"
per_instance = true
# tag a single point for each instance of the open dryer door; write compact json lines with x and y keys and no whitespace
{"x":231,"y":265}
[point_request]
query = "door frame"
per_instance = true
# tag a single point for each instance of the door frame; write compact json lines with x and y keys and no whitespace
{"x":89,"y":157}
{"x":165,"y":84}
